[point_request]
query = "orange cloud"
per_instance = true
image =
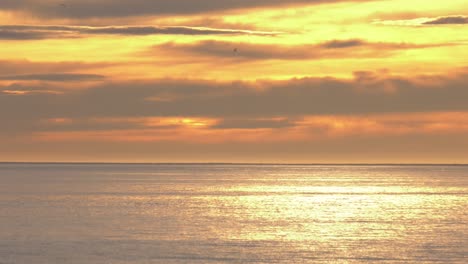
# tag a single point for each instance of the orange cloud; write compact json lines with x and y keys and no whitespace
{"x":308,"y":128}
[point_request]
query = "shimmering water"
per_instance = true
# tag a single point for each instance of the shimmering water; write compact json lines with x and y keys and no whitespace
{"x":59,"y":213}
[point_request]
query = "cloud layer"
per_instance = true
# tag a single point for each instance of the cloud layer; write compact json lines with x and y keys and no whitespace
{"x":367,"y":93}
{"x":427,"y":21}
{"x":53,"y":77}
{"x":122,"y":8}
{"x":454,"y":20}
{"x":348,"y":48}
{"x":29,"y":32}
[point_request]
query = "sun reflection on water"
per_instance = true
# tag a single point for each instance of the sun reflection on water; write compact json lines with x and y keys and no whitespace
{"x":263,"y":214}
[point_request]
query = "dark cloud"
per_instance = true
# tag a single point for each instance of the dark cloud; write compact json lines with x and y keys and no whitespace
{"x":54,"y":77}
{"x":19,"y":67}
{"x":95,"y":125}
{"x":122,"y":8}
{"x":22,"y":89}
{"x":448,"y":20}
{"x":25,"y":32}
{"x":170,"y":31}
{"x":424,"y":21}
{"x":233,"y":123}
{"x":331,"y":49}
{"x":24,"y":35}
{"x":338,"y":44}
{"x":367,"y":93}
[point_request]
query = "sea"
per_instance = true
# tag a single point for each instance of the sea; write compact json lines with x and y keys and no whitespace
{"x":232,"y":213}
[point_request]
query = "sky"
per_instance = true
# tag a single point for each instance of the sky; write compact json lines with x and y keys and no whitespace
{"x":261,"y":81}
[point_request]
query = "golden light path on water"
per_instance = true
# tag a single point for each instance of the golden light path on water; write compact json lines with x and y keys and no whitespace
{"x":235,"y":214}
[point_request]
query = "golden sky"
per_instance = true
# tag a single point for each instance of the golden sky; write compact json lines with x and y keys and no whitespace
{"x":306,"y":81}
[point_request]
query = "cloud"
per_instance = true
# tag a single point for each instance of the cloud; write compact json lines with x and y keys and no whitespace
{"x":29,"y":32}
{"x":426,"y":21}
{"x":307,"y":128}
{"x":24,"y":35}
{"x":99,"y":124}
{"x":54,"y":77}
{"x":338,"y":44}
{"x":262,"y":118}
{"x":123,"y":8}
{"x":448,"y":20}
{"x":21,"y":89}
{"x":332,"y":49}
{"x":27,"y":67}
{"x":255,"y":123}
{"x":262,"y":100}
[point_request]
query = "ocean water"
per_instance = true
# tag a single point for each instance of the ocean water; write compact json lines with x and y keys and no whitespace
{"x":109,"y":213}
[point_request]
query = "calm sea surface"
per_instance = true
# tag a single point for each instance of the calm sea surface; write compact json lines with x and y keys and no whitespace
{"x":69,"y":213}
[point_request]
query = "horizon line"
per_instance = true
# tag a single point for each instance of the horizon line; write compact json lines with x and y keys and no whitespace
{"x":231,"y":163}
